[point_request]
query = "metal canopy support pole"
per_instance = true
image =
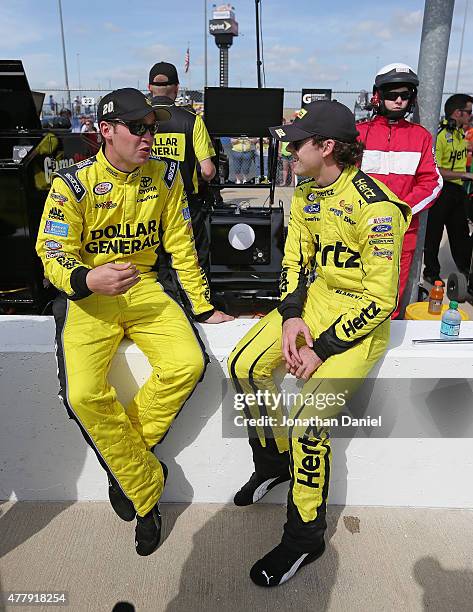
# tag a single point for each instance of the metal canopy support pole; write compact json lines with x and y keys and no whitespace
{"x":258,"y":76}
{"x":258,"y":52}
{"x":433,"y":54}
{"x":64,"y":57}
{"x":205,"y":43}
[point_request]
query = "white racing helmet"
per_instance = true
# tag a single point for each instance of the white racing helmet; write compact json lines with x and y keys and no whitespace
{"x":390,"y":77}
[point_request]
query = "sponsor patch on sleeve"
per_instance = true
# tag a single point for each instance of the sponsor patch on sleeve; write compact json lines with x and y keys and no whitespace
{"x":384,"y":253}
{"x":378,"y":220}
{"x":69,"y":176}
{"x":56,"y":213}
{"x":186,"y":213}
{"x":52,"y":245}
{"x":56,"y":229}
{"x":58,"y":197}
{"x":381,"y":241}
{"x":170,"y":173}
{"x":54,"y":254}
{"x":382,"y":228}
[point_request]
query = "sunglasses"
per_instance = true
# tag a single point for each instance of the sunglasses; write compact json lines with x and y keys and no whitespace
{"x":138,"y":129}
{"x":297,"y":144}
{"x":392,"y":96}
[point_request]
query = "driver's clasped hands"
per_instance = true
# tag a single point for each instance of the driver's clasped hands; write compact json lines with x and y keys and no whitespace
{"x":302,"y":362}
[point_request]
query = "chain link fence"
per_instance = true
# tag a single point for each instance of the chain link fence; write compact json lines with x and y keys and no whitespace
{"x":82,"y":109}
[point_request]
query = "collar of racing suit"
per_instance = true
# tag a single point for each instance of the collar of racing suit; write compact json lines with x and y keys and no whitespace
{"x":117,"y":175}
{"x":337,"y":186}
{"x":382,"y":120}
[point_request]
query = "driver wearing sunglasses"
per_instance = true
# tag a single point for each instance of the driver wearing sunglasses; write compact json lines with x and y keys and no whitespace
{"x":138,"y":128}
{"x":450,"y":211}
{"x":115,"y":210}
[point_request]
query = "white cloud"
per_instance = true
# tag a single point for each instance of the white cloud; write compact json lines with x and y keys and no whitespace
{"x":312,"y":69}
{"x":407,"y":22}
{"x":279,"y":51}
{"x":377,"y":29}
{"x":155,"y":53}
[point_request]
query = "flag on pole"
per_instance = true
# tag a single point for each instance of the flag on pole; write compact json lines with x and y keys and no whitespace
{"x":187,"y":60}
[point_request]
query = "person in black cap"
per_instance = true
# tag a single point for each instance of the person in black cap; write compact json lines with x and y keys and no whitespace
{"x":184,"y":139}
{"x":97,"y":240}
{"x":450,"y":211}
{"x":348,"y":229}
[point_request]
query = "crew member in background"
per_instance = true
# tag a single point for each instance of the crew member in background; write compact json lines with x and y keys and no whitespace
{"x":400,"y":153}
{"x":450,"y":209}
{"x":469,"y":160}
{"x":97,"y":241}
{"x":184,"y":139}
{"x":349,"y":228}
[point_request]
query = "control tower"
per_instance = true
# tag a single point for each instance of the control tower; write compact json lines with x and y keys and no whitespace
{"x":224,"y":27}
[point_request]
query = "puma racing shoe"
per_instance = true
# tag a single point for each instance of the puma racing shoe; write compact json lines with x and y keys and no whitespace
{"x":281,"y":564}
{"x":256,"y":488}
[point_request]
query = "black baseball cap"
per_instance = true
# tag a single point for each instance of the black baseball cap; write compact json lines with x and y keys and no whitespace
{"x":165,"y":69}
{"x":128,"y":104}
{"x":327,"y":118}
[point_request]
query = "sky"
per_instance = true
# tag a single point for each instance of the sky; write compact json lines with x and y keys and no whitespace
{"x":306,"y":43}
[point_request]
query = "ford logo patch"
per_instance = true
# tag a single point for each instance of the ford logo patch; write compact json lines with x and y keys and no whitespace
{"x":380,"y":229}
{"x":312,"y":208}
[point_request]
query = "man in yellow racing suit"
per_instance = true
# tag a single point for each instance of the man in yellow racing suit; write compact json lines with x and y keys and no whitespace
{"x":97,"y":240}
{"x":348,"y":228}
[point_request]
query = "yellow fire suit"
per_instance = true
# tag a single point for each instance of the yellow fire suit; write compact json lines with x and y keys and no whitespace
{"x":350,"y":234}
{"x":95,"y":214}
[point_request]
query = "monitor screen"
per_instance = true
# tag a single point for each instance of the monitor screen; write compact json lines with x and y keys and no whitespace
{"x":234,"y":111}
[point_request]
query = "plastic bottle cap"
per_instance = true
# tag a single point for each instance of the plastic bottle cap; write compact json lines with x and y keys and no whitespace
{"x":453,"y":305}
{"x":438,"y":283}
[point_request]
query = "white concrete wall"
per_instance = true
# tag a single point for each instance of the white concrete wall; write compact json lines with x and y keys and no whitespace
{"x":44,"y":457}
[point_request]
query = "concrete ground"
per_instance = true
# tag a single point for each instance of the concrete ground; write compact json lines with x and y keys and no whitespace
{"x":389,"y":559}
{"x":377,"y":558}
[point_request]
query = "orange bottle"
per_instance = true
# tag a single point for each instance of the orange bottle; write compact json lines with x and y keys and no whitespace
{"x":436,"y":298}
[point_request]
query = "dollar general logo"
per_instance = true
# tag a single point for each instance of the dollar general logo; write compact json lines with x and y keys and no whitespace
{"x":301,"y":113}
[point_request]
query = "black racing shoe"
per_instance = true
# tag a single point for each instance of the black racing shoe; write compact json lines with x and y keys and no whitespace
{"x":148,"y":531}
{"x":120,"y":503}
{"x":148,"y":527}
{"x":256,"y":488}
{"x":280,"y":565}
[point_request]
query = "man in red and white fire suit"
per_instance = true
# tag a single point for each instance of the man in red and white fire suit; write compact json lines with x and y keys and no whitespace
{"x":400,"y":153}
